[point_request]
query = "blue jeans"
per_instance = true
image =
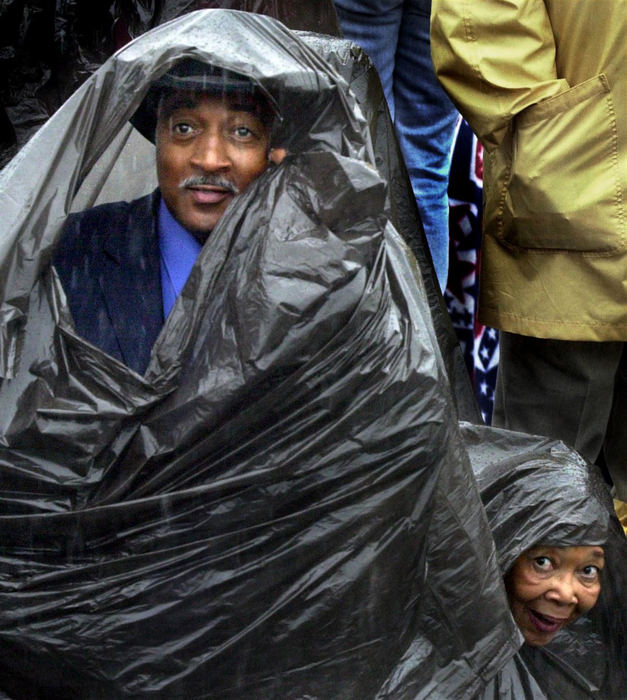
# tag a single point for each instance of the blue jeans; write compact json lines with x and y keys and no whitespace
{"x":395,"y":34}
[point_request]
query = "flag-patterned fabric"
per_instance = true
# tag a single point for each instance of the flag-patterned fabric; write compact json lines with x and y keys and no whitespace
{"x":480,"y":344}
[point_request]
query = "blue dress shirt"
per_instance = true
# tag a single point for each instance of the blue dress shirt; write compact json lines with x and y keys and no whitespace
{"x":178,"y":252}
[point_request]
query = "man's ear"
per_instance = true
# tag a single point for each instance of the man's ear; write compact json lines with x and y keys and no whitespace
{"x":276,"y":155}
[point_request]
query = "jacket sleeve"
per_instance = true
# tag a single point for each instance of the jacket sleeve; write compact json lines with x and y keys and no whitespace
{"x":494,"y":58}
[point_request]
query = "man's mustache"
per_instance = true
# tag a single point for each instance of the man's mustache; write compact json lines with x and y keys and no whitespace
{"x":211,"y":181}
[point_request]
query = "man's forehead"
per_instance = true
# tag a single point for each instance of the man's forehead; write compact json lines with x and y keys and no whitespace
{"x":172,"y":100}
{"x":185,"y":84}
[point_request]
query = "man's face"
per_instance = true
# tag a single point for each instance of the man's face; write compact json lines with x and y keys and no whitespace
{"x":209,"y":149}
{"x":549,"y":587}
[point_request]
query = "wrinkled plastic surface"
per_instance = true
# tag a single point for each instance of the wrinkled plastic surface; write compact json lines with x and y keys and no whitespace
{"x":48,"y":49}
{"x":282,"y":506}
{"x":357,"y":69}
{"x":537,"y":491}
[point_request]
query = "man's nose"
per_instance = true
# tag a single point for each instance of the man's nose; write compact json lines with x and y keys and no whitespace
{"x":563,"y":590}
{"x":210,"y":153}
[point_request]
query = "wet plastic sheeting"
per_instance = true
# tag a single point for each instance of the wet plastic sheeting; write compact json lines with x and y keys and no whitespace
{"x":359,"y":72}
{"x":537,"y":491}
{"x":282,"y":506}
{"x":48,"y":49}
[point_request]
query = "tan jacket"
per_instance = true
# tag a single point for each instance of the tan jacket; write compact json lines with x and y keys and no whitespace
{"x":543,"y":83}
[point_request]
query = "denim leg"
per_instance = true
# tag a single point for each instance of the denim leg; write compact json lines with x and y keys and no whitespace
{"x":396,"y":36}
{"x":426,"y":121}
{"x":374,"y":25}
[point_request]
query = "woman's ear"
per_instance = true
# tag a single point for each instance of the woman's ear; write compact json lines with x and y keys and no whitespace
{"x":276,"y":155}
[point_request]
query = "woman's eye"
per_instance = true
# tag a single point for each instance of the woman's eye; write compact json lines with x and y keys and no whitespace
{"x":542,"y":563}
{"x":591,"y":572}
{"x":243,"y":132}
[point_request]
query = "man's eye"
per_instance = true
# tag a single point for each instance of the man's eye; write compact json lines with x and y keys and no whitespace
{"x":182,"y":129}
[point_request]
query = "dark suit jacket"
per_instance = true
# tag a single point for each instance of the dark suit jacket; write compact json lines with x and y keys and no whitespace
{"x":108,"y":262}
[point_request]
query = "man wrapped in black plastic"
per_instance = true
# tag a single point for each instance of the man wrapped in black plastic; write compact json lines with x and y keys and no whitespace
{"x":281,"y":504}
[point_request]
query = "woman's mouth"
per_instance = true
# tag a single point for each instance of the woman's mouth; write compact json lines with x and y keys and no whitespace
{"x":546,"y":623}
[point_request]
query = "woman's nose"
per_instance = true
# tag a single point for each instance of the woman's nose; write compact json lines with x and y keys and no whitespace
{"x":563,"y":590}
{"x":210,"y":153}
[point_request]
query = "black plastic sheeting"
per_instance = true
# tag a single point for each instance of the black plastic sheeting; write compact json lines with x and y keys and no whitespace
{"x":282,"y":506}
{"x":538,"y":492}
{"x":47,"y":49}
{"x":358,"y":71}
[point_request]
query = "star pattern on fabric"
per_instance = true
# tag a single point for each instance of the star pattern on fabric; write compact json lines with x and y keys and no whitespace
{"x":480,"y":345}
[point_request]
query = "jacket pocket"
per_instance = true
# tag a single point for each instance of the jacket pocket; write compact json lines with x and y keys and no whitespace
{"x":564,"y":190}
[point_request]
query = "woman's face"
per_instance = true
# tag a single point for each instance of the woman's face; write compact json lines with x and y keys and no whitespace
{"x":549,"y":587}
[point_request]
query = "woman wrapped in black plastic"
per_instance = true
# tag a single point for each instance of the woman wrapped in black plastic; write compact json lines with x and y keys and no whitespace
{"x":562,"y":553}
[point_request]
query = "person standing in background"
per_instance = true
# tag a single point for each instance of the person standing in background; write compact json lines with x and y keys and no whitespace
{"x":395,"y":34}
{"x":549,"y":106}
